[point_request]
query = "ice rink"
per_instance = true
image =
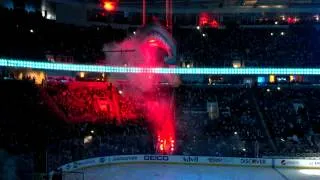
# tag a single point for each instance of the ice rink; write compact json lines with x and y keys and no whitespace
{"x":182,"y":172}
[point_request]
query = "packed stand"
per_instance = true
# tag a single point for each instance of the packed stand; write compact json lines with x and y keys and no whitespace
{"x":233,"y":121}
{"x":292,"y":118}
{"x":96,"y":140}
{"x":30,"y":126}
{"x":27,"y":124}
{"x":210,"y":120}
{"x":91,"y":101}
{"x":291,"y":47}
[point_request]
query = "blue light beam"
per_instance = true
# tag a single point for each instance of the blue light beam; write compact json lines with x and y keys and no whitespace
{"x":114,"y":69}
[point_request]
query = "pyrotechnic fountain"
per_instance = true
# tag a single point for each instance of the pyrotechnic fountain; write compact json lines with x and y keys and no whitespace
{"x":151,"y":46}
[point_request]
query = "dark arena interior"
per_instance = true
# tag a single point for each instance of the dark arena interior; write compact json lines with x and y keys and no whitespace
{"x":159,"y":89}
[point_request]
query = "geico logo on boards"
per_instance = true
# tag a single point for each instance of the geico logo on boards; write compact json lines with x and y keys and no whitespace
{"x":190,"y":159}
{"x":125,"y":158}
{"x":253,"y":161}
{"x":156,"y":158}
{"x":215,"y":160}
{"x":288,"y":162}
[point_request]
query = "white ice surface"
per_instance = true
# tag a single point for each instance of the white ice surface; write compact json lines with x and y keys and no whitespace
{"x":181,"y":172}
{"x":301,"y":174}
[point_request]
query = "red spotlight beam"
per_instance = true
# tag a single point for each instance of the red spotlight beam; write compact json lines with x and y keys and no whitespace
{"x":144,"y":12}
{"x":169,"y":12}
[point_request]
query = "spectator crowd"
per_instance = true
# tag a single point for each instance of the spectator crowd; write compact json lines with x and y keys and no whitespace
{"x":209,"y":120}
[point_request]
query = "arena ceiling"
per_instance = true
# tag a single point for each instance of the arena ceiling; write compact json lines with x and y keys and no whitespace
{"x":151,"y":2}
{"x":202,"y":3}
{"x":215,"y":6}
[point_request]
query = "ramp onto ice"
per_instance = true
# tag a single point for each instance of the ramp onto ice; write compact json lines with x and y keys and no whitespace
{"x":183,"y":172}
